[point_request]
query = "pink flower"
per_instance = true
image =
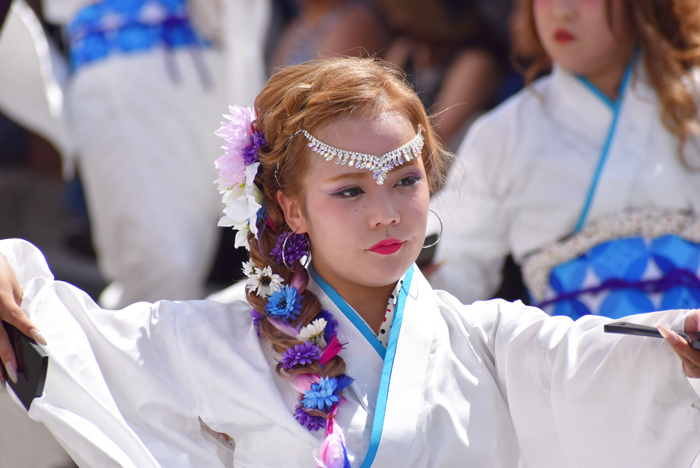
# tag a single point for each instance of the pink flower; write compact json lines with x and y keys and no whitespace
{"x":237,"y":132}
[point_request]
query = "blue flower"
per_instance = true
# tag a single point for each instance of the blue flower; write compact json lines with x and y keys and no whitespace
{"x":250,"y":152}
{"x":343,"y":381}
{"x":261,"y":215}
{"x":331,"y":323}
{"x":295,"y":248}
{"x":300,"y":355}
{"x":309,"y":421}
{"x":322,"y":395}
{"x":285,"y":304}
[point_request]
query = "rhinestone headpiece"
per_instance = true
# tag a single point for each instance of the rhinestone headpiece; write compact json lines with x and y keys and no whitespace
{"x":380,"y":165}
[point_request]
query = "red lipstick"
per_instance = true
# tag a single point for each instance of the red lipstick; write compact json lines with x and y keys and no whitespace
{"x":563,"y":36}
{"x":387,"y":247}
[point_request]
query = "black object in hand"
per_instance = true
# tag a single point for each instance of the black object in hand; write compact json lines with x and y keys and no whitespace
{"x":32,"y":365}
{"x":627,"y":328}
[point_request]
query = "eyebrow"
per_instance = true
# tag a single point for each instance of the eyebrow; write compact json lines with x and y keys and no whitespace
{"x":360,"y":174}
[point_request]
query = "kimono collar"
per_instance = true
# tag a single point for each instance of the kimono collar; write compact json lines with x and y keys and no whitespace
{"x":352,"y":315}
{"x":389,"y":389}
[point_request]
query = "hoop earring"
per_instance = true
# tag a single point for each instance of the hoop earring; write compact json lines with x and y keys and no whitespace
{"x":284,"y":260}
{"x":439,"y":235}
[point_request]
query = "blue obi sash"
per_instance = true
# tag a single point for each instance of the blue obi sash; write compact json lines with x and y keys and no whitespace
{"x":627,"y":276}
{"x":127,"y":27}
{"x":624,"y":265}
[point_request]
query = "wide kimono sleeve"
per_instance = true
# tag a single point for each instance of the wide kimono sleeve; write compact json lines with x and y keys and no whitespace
{"x":133,"y":409}
{"x":472,"y":207}
{"x":580,"y":397}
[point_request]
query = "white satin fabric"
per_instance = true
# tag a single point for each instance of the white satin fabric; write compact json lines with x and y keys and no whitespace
{"x":492,"y":384}
{"x":524,"y":171}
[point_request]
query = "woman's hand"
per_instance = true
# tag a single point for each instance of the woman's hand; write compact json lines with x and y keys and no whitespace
{"x":689,"y":355}
{"x":10,"y":311}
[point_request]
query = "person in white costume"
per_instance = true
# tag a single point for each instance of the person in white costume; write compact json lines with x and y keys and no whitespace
{"x":301,"y":374}
{"x":33,"y":77}
{"x":590,"y":176}
{"x":149,"y":79}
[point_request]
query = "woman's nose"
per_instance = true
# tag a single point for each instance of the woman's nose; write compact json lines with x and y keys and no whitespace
{"x":564,"y":8}
{"x":383,"y":212}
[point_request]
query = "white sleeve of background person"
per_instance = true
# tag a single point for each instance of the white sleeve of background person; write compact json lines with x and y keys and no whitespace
{"x":474,"y":241}
{"x":33,"y":77}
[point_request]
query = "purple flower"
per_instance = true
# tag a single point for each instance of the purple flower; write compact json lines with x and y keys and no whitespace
{"x":285,"y":304}
{"x":322,"y":395}
{"x":257,"y":316}
{"x":301,"y":355}
{"x":250,"y":152}
{"x":309,"y":421}
{"x":295,"y":248}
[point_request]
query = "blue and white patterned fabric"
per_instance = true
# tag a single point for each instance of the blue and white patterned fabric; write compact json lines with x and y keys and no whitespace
{"x":627,"y":276}
{"x":127,"y":27}
{"x":625,"y":264}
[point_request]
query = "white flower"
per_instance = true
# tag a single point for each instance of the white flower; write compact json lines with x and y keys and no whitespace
{"x":312,"y":331}
{"x":264,"y":282}
{"x":248,"y":268}
{"x":242,"y":205}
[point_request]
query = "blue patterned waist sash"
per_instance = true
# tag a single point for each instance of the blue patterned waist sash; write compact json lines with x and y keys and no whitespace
{"x":674,"y":279}
{"x":128,"y":27}
{"x":654,"y":264}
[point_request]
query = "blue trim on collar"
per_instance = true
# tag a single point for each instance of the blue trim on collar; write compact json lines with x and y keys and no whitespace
{"x":350,"y":313}
{"x":613,"y":105}
{"x":616,"y":107}
{"x":598,"y":92}
{"x":383,"y":394}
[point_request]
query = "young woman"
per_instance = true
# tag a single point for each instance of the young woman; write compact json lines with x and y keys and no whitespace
{"x":349,"y":358}
{"x":590,"y":177}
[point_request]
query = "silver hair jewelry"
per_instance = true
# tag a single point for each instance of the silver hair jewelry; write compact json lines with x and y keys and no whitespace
{"x":380,"y":165}
{"x":439,"y":235}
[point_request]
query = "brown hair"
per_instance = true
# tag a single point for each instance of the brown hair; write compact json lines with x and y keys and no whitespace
{"x":310,"y":95}
{"x":668,"y":32}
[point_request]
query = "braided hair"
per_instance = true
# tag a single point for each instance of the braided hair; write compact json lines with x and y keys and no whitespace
{"x":292,"y":319}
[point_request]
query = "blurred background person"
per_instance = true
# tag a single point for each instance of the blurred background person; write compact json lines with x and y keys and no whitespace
{"x":145,"y":86}
{"x":324,"y":28}
{"x":453,"y":53}
{"x":149,"y":82}
{"x":589,"y":177}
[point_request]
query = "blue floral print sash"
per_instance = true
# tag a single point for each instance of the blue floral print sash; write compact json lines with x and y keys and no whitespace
{"x":625,"y":265}
{"x":130,"y":27}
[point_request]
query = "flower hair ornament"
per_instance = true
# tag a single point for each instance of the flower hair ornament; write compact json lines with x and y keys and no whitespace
{"x":237,"y":170}
{"x":290,"y":248}
{"x":319,"y":397}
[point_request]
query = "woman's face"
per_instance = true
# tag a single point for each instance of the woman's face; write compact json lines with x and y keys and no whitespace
{"x":577,"y":34}
{"x":363,"y":234}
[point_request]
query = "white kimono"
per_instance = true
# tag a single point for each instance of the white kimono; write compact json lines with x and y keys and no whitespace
{"x":144,"y":127}
{"x":492,"y":384}
{"x":525,"y":169}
